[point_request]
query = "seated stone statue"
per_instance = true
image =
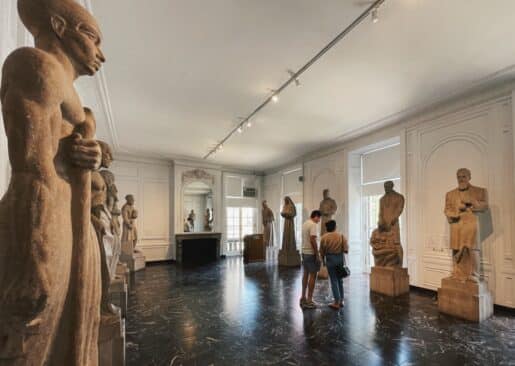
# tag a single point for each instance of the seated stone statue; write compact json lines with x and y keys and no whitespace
{"x":386,"y":239}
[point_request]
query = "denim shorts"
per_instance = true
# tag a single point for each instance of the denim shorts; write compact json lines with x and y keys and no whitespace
{"x":310,"y":264}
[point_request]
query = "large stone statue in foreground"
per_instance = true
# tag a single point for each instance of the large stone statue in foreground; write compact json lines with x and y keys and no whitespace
{"x":328,"y":209}
{"x":49,"y":261}
{"x":289,"y":255}
{"x":387,"y":276}
{"x":464,"y":294}
{"x":268,"y":225}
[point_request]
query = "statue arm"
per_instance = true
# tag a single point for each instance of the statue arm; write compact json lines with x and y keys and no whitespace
{"x":481,"y":203}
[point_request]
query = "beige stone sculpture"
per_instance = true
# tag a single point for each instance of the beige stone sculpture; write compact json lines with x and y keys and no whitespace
{"x":49,"y":263}
{"x":289,"y":255}
{"x":464,"y":294}
{"x":386,"y":239}
{"x":130,"y":232}
{"x":268,"y":225}
{"x":387,"y":276}
{"x":461,"y":207}
{"x":208,"y":220}
{"x":328,"y":209}
{"x":191,"y":220}
{"x":108,"y":240}
{"x":112,"y":201}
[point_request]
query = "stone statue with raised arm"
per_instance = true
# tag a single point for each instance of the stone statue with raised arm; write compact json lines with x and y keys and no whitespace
{"x":49,"y":261}
{"x":268,"y":225}
{"x":328,"y":209}
{"x":464,"y":294}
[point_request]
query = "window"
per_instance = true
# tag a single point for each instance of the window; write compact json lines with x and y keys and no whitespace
{"x":241,"y":221}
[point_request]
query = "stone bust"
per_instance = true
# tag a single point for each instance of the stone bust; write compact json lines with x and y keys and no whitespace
{"x":328,"y":209}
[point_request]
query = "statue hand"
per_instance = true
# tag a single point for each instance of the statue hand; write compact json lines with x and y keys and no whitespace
{"x":85,"y":153}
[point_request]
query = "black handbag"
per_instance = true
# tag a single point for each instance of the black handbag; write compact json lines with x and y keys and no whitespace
{"x":342,"y":271}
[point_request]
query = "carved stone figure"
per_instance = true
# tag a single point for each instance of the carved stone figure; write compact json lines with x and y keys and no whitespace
{"x":49,"y":262}
{"x":462,"y":206}
{"x":130,"y":233}
{"x":268,"y":225}
{"x":191,"y":219}
{"x":328,"y":209}
{"x":112,"y":201}
{"x":386,"y":239}
{"x":208,"y":220}
{"x":289,"y":255}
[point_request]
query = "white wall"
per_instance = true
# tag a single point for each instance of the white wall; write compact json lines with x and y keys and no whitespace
{"x":149,"y":181}
{"x":475,"y":131}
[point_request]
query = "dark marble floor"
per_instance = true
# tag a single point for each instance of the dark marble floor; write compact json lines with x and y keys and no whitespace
{"x":231,"y":314}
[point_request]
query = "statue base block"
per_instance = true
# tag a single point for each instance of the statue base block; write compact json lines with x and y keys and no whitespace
{"x":118,"y":294}
{"x":390,"y":281}
{"x":111,"y":341}
{"x":135,"y":262}
{"x":289,"y":259}
{"x":465,"y":299}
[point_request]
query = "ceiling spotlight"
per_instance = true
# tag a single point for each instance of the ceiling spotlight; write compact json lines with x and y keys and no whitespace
{"x":240,"y":130}
{"x":220,"y":147}
{"x":292,"y":74}
{"x":275,"y":98}
{"x":375,"y":17}
{"x":249,"y":124}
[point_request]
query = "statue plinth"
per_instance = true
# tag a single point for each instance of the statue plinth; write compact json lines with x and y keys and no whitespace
{"x":135,"y":261}
{"x":390,"y":281}
{"x":118,"y":294}
{"x":289,"y":258}
{"x":111,"y":341}
{"x":465,"y":299}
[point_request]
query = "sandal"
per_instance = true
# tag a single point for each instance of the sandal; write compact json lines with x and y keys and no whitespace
{"x":334,"y":306}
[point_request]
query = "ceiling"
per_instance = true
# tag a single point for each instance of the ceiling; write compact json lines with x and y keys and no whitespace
{"x":181,"y":72}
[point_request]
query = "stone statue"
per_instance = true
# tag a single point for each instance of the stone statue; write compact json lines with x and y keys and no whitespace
{"x":208,"y":220}
{"x":49,"y":262}
{"x":386,"y":239}
{"x":191,"y":219}
{"x":108,"y":240}
{"x":268,"y":225}
{"x":462,"y":206}
{"x":112,"y":201}
{"x":289,"y":255}
{"x":129,"y":233}
{"x":328,"y":209}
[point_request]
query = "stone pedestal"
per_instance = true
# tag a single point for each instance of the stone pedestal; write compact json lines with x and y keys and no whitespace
{"x":111,"y":341}
{"x":289,"y":258}
{"x":135,"y":262}
{"x":390,"y":281}
{"x":464,"y":299}
{"x":118,"y":294}
{"x":123,"y":271}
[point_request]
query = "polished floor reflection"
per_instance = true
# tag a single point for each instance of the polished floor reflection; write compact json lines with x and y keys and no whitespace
{"x":231,"y":314}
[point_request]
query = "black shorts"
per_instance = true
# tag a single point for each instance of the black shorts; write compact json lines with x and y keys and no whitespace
{"x":310,"y":263}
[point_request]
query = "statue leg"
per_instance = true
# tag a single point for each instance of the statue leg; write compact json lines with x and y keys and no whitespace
{"x":475,"y":259}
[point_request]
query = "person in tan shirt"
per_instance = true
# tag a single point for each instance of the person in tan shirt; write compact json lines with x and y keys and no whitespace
{"x":333,"y":245}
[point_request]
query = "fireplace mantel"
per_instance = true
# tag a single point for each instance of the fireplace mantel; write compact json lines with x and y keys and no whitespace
{"x":182,"y":239}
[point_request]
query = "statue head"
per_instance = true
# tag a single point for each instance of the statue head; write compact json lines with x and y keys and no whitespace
{"x":265,"y":204}
{"x":67,"y":26}
{"x":463,"y":175}
{"x":107,"y":154}
{"x":388,"y":186}
{"x":326,"y":193}
{"x":130,"y":199}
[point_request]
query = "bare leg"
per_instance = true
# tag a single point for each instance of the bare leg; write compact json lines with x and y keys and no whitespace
{"x":304,"y":284}
{"x":311,"y":285}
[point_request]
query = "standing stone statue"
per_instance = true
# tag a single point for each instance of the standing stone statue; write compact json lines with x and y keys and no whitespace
{"x":386,"y":239}
{"x":133,"y":257}
{"x":464,"y":209}
{"x":49,"y":261}
{"x":108,"y":241}
{"x":208,"y":220}
{"x":268,"y":225}
{"x":191,"y":219}
{"x":289,"y":255}
{"x":387,"y":276}
{"x":328,"y":209}
{"x":112,"y":201}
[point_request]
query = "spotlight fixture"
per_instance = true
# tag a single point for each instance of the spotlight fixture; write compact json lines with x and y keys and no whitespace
{"x":220,"y":147}
{"x":292,"y":75}
{"x":275,"y":98}
{"x":240,"y":129}
{"x":375,"y":17}
{"x":249,"y":124}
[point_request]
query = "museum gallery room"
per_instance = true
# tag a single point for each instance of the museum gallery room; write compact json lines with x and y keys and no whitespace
{"x":244,"y":182}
